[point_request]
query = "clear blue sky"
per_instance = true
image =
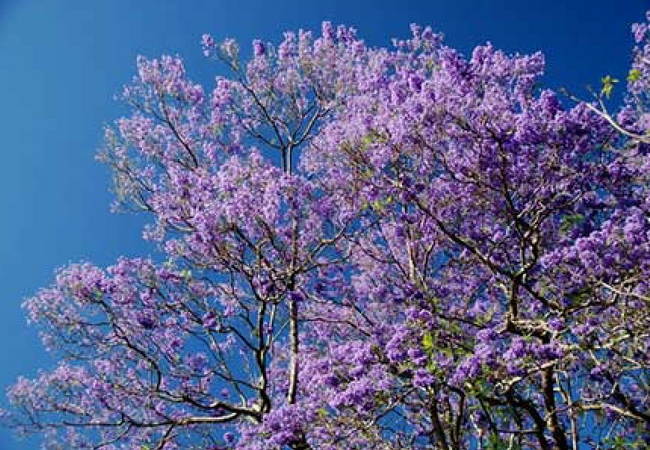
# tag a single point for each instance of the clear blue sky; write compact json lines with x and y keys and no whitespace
{"x":62,"y":61}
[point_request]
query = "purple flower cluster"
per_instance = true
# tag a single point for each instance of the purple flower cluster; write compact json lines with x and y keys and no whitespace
{"x":390,"y":248}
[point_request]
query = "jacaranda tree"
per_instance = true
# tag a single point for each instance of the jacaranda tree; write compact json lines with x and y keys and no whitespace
{"x":364,"y":248}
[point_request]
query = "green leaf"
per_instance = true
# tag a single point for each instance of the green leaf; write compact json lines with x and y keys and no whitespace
{"x":496,"y":443}
{"x":608,"y":83}
{"x":579,"y":295}
{"x":634,"y":75}
{"x":427,"y":341}
{"x":381,"y":204}
{"x":186,"y":273}
{"x":568,"y":222}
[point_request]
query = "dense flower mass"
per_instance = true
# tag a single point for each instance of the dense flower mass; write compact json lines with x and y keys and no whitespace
{"x":366,"y":248}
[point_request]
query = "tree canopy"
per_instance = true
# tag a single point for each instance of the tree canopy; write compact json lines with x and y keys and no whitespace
{"x":389,"y":248}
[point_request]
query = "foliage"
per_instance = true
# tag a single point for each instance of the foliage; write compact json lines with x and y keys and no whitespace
{"x":389,"y":248}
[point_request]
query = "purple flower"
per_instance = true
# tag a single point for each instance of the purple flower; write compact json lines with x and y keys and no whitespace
{"x":209,"y":319}
{"x":258,"y":48}
{"x":423,"y":379}
{"x":146,"y":321}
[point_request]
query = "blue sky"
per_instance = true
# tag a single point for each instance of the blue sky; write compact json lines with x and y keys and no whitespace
{"x":62,"y":61}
